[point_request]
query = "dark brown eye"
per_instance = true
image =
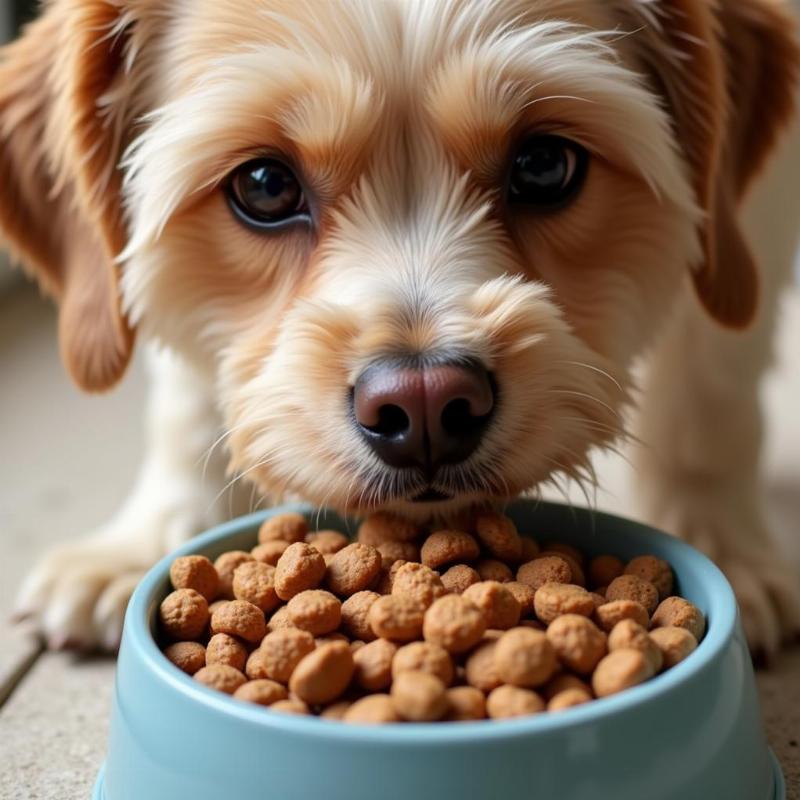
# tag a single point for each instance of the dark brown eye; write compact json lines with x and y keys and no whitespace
{"x":265,"y":193}
{"x":547,"y":172}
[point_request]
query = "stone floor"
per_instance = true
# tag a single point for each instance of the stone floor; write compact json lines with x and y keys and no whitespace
{"x":65,"y":465}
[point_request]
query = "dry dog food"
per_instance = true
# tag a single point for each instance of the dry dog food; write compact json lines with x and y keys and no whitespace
{"x":471,"y":622}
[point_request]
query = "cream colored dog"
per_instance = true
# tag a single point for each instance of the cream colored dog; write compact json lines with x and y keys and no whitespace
{"x":404,"y":253}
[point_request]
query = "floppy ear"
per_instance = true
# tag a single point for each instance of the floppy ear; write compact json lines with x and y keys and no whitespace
{"x":61,"y":122}
{"x":727,"y":70}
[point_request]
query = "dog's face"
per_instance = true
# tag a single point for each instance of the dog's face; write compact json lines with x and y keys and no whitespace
{"x":417,"y":244}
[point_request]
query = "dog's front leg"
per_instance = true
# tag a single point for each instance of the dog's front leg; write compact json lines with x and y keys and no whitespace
{"x":702,"y":426}
{"x":77,"y":593}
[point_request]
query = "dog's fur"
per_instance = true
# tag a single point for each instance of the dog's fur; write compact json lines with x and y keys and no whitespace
{"x":120,"y":120}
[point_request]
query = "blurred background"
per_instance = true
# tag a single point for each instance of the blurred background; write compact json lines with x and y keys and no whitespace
{"x":67,"y":461}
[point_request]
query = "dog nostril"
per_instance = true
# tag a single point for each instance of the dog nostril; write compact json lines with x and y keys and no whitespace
{"x":392,"y":421}
{"x":457,"y":418}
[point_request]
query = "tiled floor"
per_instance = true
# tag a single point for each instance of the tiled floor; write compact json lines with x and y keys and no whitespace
{"x":65,"y":463}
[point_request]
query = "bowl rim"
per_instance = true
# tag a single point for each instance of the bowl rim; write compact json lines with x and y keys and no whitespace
{"x":137,"y":634}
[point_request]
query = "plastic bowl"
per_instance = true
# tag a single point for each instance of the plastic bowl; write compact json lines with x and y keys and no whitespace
{"x":693,"y":732}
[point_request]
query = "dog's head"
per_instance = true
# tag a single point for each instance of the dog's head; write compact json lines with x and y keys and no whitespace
{"x":417,"y":243}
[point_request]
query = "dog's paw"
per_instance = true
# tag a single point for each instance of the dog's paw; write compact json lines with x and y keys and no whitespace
{"x":736,"y":537}
{"x":76,"y":596}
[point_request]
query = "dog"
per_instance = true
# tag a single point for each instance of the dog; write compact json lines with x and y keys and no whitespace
{"x":405,"y":255}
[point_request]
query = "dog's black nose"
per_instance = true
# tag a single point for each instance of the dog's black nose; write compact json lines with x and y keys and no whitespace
{"x":423,"y":416}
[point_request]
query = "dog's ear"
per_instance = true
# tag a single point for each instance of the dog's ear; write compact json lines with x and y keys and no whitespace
{"x":727,"y":70}
{"x":61,"y":129}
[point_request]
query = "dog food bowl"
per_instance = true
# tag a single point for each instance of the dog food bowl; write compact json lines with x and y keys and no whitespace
{"x":694,"y":732}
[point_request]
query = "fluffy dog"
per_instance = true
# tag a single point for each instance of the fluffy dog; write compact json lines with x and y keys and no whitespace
{"x":404,"y":254}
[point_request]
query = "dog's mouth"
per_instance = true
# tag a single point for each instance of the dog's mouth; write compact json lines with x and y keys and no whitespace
{"x":431,"y":495}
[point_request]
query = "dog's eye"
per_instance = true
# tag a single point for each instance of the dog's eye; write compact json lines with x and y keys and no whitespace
{"x":547,"y":172}
{"x":266,"y":193}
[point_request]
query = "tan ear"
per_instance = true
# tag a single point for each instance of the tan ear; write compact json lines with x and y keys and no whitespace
{"x":727,"y":70}
{"x":60,"y":208}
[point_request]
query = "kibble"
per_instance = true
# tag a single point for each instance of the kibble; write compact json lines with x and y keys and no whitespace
{"x":301,"y":567}
{"x":184,"y":614}
{"x":225,"y":566}
{"x":679,"y":613}
{"x":187,"y":656}
{"x":240,"y":618}
{"x":225,"y":649}
{"x":255,"y":582}
{"x":458,"y":623}
{"x":289,"y":528}
{"x":195,"y":572}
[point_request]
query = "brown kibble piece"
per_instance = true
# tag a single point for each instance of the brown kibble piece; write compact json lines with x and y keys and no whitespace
{"x":419,"y":697}
{"x":392,"y":552}
{"x":499,"y":604}
{"x":225,"y":566}
{"x":525,"y":657}
{"x":619,"y":670}
{"x":628,"y":634}
{"x":221,"y":677}
{"x":373,"y":665}
{"x":498,"y":534}
{"x":289,"y":527}
{"x":609,"y":614}
{"x":269,"y":552}
{"x":281,"y":651}
{"x":575,"y":568}
{"x":301,"y":567}
{"x":675,"y":611}
{"x":316,"y":611}
{"x":195,"y":572}
{"x":510,"y":701}
{"x":578,"y":642}
{"x":255,"y":582}
{"x":385,"y":527}
{"x":327,"y":542}
{"x":525,"y":597}
{"x":240,"y":618}
{"x":291,"y":706}
{"x":187,"y":656}
{"x":465,"y":703}
{"x":375,"y":709}
{"x":491,"y":570}
{"x":458,"y":578}
{"x":280,"y":619}
{"x":396,"y":617}
{"x":353,"y":569}
{"x":424,"y":657}
{"x":184,"y":614}
{"x":546,"y":569}
{"x":446,"y":546}
{"x":562,"y":548}
{"x":336,"y":710}
{"x":554,"y":599}
{"x":567,"y":699}
{"x":603,"y":569}
{"x":652,"y":569}
{"x":263,"y":692}
{"x":631,"y":587}
{"x":419,"y":582}
{"x":674,"y":643}
{"x":563,"y":682}
{"x":225,"y":649}
{"x":480,"y":670}
{"x":455,"y":623}
{"x":355,"y":613}
{"x":323,"y":675}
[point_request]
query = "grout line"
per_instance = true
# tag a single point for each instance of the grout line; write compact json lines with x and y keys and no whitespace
{"x":15,"y":676}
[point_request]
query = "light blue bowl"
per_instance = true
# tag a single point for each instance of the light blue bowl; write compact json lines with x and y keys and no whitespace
{"x":694,"y":732}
